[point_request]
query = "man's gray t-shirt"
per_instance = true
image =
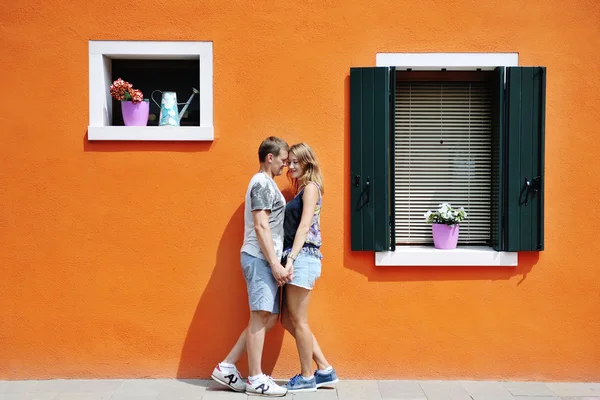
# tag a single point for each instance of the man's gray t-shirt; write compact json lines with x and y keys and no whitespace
{"x":263,"y":194}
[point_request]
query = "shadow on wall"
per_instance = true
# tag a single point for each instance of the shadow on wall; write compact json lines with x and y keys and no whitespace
{"x":363,"y":262}
{"x":222,"y":313}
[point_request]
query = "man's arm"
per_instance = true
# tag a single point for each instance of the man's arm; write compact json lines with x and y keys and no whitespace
{"x":263,"y":234}
{"x":265,"y":240}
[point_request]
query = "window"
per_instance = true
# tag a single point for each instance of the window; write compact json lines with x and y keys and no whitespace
{"x":442,"y":152}
{"x":151,"y":65}
{"x":493,"y":145}
{"x":179,"y":76}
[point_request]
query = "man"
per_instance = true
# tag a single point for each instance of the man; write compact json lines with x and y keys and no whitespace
{"x":260,"y":257}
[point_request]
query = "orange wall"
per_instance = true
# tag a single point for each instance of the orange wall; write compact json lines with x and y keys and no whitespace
{"x":121,"y":259}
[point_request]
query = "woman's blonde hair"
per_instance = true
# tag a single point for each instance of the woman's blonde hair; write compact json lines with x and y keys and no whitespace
{"x":310,"y":167}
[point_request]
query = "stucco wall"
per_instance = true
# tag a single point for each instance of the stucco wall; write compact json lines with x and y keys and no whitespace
{"x":121,"y":259}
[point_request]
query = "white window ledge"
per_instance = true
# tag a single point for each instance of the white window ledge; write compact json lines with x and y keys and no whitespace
{"x":461,"y":256}
{"x":450,"y":61}
{"x":162,"y":133}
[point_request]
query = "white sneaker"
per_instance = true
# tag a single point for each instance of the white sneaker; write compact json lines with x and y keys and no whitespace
{"x":230,"y":377}
{"x":264,"y":386}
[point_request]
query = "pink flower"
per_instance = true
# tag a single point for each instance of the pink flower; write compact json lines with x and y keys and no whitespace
{"x":136,"y":95}
{"x":122,"y":91}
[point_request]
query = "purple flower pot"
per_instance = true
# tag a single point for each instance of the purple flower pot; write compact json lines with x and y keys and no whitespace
{"x":135,"y":114}
{"x":445,"y":236}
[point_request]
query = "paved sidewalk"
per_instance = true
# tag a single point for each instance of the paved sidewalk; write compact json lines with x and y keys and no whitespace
{"x":192,"y":389}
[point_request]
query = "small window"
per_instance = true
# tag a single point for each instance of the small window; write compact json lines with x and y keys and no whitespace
{"x":178,"y":76}
{"x":175,"y":66}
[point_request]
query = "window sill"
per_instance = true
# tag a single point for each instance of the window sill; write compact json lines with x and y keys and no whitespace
{"x":461,"y":256}
{"x":148,"y":133}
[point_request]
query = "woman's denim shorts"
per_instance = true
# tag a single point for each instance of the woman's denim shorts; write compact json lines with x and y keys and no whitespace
{"x":307,"y":269}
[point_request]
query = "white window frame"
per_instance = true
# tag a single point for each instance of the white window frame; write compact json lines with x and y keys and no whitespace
{"x":101,"y":54}
{"x":416,"y":255}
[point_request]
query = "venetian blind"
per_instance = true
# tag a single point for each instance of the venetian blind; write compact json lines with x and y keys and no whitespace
{"x":443,"y":154}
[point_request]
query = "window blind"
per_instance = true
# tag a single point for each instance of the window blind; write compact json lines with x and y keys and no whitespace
{"x":442,"y":154}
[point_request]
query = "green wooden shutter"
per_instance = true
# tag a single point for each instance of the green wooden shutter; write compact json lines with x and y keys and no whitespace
{"x":519,"y":224}
{"x":370,"y":158}
{"x":525,"y":117}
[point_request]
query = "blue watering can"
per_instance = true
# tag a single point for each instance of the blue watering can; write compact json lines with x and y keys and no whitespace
{"x":169,"y":110}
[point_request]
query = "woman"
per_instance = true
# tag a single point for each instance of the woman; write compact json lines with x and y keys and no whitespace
{"x":302,"y":241}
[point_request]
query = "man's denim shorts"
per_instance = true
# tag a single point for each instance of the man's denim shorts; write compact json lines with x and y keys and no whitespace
{"x":307,"y":269}
{"x":263,"y":292}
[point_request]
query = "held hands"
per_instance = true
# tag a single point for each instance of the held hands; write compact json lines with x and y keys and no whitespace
{"x":279,"y":273}
{"x":283,"y":274}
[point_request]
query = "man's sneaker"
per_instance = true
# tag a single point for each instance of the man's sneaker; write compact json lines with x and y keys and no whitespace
{"x":301,"y":384}
{"x":264,"y":386}
{"x":326,"y":378}
{"x":230,"y":377}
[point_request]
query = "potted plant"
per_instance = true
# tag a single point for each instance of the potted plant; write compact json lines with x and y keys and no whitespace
{"x":134,"y":107}
{"x":445,"y":225}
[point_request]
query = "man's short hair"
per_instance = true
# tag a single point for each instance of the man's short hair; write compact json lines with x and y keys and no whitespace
{"x":272,"y":145}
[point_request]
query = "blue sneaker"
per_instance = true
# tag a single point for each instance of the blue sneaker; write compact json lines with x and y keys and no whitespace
{"x":326,"y":379}
{"x":301,"y":384}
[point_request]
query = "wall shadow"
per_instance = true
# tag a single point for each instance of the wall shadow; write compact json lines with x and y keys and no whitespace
{"x":134,"y":145}
{"x":222,"y":312}
{"x":363,"y":262}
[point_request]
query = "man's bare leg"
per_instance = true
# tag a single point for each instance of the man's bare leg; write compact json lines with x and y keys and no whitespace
{"x":239,"y":347}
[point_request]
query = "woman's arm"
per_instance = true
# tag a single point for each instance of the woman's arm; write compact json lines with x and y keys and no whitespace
{"x":310,"y":197}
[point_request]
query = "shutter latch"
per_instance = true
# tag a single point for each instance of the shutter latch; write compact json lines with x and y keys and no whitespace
{"x":531,"y":187}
